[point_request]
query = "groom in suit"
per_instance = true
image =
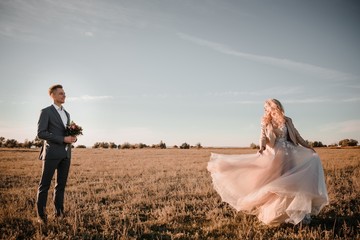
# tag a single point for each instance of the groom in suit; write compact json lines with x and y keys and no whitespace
{"x":55,"y":153}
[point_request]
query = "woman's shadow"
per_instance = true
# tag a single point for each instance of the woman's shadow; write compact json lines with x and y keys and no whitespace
{"x":343,"y":227}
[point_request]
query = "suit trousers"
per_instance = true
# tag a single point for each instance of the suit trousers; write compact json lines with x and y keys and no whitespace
{"x":49,"y":166}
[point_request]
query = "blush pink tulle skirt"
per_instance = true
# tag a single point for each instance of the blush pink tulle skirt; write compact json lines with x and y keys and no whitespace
{"x":284,"y":184}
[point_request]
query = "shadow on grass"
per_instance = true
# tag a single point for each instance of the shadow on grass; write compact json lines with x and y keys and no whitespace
{"x":19,"y":228}
{"x":347,"y":227}
{"x":341,"y":227}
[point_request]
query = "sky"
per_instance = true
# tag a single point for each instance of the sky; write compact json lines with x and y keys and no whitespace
{"x":145,"y":71}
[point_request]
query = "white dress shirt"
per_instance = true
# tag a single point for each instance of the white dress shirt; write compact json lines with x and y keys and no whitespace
{"x":62,"y":113}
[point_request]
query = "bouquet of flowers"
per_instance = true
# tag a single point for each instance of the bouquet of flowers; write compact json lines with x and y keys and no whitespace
{"x":73,"y":129}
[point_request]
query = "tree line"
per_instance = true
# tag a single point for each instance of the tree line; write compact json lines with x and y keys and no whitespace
{"x":36,"y":143}
{"x":342,"y":143}
{"x":127,"y":145}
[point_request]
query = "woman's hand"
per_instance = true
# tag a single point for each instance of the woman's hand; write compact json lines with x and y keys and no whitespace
{"x":261,"y":150}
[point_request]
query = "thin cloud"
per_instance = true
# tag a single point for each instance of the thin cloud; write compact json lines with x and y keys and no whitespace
{"x":245,"y":102}
{"x":321,"y":72}
{"x":88,"y":98}
{"x":304,"y":101}
{"x":262,"y":92}
{"x":350,"y":126}
{"x":89,"y":34}
{"x":30,"y":20}
{"x":160,"y":95}
{"x":309,"y":100}
{"x":322,"y":100}
{"x":278,"y":91}
{"x":354,"y":99}
{"x":227,"y":93}
{"x":20,"y":102}
{"x":301,"y":101}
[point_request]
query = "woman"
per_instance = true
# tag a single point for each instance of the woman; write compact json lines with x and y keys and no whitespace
{"x":283,"y":182}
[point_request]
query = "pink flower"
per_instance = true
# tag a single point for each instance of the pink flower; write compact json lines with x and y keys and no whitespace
{"x":73,"y":129}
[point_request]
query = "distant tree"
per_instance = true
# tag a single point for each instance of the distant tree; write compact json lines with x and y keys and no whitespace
{"x":96,"y":145}
{"x":101,"y":145}
{"x":80,"y":146}
{"x":104,"y":145}
{"x":37,"y":142}
{"x":185,"y":146}
{"x":27,"y":144}
{"x":11,"y":143}
{"x":2,"y":141}
{"x":317,"y":144}
{"x":254,"y":146}
{"x":162,"y":145}
{"x":126,"y":145}
{"x":175,"y":146}
{"x":353,"y":142}
{"x":141,"y":145}
{"x":198,"y":146}
{"x":344,"y":142}
{"x":348,"y":142}
{"x":112,"y":145}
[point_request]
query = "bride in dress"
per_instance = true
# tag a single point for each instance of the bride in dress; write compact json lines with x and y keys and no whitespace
{"x":283,"y":182}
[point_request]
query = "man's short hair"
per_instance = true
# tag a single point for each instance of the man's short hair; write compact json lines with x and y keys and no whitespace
{"x":53,"y":88}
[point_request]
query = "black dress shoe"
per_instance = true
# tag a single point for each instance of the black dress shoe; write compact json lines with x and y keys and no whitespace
{"x":59,"y":214}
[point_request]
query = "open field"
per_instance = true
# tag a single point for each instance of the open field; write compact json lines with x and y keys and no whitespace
{"x":161,"y":194}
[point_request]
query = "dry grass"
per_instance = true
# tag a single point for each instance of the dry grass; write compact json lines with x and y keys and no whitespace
{"x":161,"y":194}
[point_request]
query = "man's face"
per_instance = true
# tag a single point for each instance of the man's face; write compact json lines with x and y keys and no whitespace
{"x":59,"y":96}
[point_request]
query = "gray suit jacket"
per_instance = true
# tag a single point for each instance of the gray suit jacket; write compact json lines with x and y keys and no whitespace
{"x":52,"y":130}
{"x":268,"y":136}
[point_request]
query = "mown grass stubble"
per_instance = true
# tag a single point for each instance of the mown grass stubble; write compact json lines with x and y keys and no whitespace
{"x":161,"y":194}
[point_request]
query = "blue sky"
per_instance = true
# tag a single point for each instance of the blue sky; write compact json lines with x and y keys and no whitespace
{"x":181,"y":71}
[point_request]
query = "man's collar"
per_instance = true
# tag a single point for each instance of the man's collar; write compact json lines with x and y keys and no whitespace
{"x":58,"y":108}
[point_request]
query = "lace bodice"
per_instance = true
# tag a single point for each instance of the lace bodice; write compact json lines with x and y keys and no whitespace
{"x":281,"y":133}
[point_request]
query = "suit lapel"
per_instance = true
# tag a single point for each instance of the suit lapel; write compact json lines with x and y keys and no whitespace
{"x":68,"y":117}
{"x":57,"y":115}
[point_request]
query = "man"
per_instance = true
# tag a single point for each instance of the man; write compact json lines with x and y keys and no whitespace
{"x":55,"y":153}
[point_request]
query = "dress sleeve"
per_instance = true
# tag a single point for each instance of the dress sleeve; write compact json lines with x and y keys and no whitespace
{"x":299,"y":139}
{"x":262,"y":141}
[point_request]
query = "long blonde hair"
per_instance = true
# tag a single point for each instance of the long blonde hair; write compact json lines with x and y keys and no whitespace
{"x":274,"y":113}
